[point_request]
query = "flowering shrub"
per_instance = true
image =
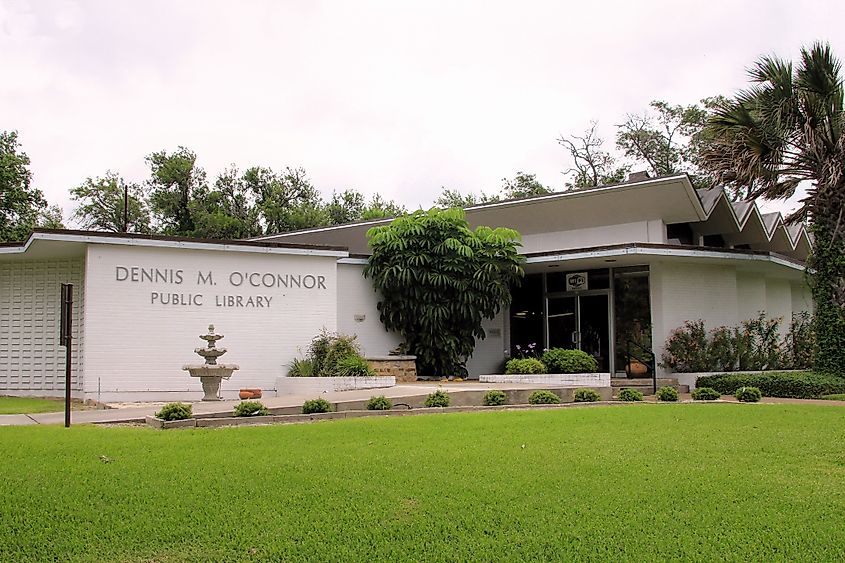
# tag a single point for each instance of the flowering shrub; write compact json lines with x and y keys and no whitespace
{"x":530,"y":351}
{"x":687,"y":348}
{"x":755,"y":345}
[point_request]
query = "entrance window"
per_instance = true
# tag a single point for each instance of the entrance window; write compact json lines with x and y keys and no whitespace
{"x":632,"y":314}
{"x":527,"y":315}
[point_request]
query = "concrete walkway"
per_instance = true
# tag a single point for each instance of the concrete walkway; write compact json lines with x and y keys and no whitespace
{"x":137,"y":413}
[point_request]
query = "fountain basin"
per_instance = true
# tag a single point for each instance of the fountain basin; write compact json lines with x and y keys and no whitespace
{"x":210,"y":376}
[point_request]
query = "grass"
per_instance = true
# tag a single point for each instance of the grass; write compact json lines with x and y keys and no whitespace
{"x":835,"y":397}
{"x":643,"y":482}
{"x":30,"y":405}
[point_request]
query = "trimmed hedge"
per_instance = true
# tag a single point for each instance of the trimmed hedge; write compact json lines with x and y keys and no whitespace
{"x":748,"y":395}
{"x":798,"y":385}
{"x":523,"y":366}
{"x":560,"y":360}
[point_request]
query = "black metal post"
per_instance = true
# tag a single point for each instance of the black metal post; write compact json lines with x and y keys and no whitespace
{"x":66,"y":338}
{"x":126,"y":208}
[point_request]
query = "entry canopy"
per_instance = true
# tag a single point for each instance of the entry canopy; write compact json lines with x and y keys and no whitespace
{"x":670,"y":199}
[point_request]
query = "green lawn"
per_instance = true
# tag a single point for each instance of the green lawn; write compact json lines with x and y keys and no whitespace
{"x":642,"y":482}
{"x":835,"y":397}
{"x":29,"y":405}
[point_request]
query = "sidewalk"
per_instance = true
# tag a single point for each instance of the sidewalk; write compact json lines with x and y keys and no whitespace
{"x":137,"y":413}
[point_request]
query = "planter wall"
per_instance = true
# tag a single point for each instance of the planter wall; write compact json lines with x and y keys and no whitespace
{"x":690,"y":378}
{"x":553,"y":379}
{"x":317,"y":385}
{"x":403,"y":368}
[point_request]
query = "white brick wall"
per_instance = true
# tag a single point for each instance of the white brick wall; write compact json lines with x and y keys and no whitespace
{"x":136,"y":348}
{"x":31,"y":360}
{"x":357,"y":298}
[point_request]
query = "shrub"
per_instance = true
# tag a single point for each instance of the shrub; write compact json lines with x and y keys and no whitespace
{"x":251,"y":408}
{"x":439,"y":398}
{"x":354,"y":366}
{"x":630,"y":395}
{"x":175,"y":411}
{"x":559,"y":360}
{"x":316,"y":406}
{"x":586,"y":396}
{"x":797,"y":385}
{"x":494,"y":397}
{"x":686,"y":348}
{"x":667,"y":394}
{"x":705,"y":394}
{"x":543,"y":397}
{"x":380,"y":403}
{"x":525,"y":366}
{"x":799,"y":342}
{"x":748,"y":394}
{"x":329,"y":348}
{"x":301,"y":368}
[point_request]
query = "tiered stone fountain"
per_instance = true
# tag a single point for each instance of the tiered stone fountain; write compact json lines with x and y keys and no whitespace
{"x":211,"y":373}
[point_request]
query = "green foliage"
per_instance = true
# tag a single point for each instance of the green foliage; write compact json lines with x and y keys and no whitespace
{"x":797,"y":385}
{"x":327,"y":349}
{"x":175,"y":411}
{"x":251,"y":408}
{"x":586,"y":396}
{"x":100,"y":205}
{"x":784,"y":131}
{"x":667,"y":394}
{"x":380,"y":403}
{"x":495,"y":398}
{"x":301,"y":368}
{"x":175,"y":181}
{"x":834,"y":397}
{"x":20,"y":203}
{"x":354,"y":366}
{"x":439,"y":398}
{"x":524,"y":366}
{"x":799,"y":343}
{"x":438,"y":279}
{"x":559,"y":360}
{"x":748,"y":395}
{"x":686,"y":348}
{"x":314,"y":406}
{"x":705,"y":394}
{"x":630,"y":395}
{"x":543,"y":397}
{"x":523,"y":185}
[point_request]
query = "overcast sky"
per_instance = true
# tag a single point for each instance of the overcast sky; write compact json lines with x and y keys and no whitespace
{"x":397,"y":98}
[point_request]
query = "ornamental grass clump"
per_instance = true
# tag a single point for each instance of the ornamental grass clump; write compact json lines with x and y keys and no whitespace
{"x":667,"y":394}
{"x":315,"y":406}
{"x":380,"y":403}
{"x":175,"y":411}
{"x":495,"y":398}
{"x":439,"y":398}
{"x":543,"y":397}
{"x":560,"y":360}
{"x":524,"y":366}
{"x":251,"y":408}
{"x":630,"y":395}
{"x":586,"y":396}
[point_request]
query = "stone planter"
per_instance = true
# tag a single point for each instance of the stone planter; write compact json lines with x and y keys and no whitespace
{"x":403,"y":368}
{"x":552,"y":379}
{"x":317,"y":385}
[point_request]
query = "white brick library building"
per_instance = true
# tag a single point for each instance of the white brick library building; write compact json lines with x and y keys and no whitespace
{"x":645,"y":255}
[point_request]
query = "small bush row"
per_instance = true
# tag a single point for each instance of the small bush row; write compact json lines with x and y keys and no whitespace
{"x":799,"y":385}
{"x":555,"y":360}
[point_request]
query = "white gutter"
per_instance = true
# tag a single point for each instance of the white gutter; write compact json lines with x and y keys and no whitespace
{"x":671,"y":252}
{"x":158,"y":243}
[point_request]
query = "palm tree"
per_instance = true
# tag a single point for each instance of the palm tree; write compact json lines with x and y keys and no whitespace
{"x":783,"y":130}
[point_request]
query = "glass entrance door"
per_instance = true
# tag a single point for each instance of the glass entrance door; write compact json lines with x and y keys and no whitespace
{"x":582,"y":322}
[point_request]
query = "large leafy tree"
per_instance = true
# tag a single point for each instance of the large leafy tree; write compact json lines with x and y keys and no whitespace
{"x":175,"y":181}
{"x":286,"y":201}
{"x":20,"y":202}
{"x":228,"y":210}
{"x":101,"y":205}
{"x":438,"y":279}
{"x":592,"y":164}
{"x":785,"y":129}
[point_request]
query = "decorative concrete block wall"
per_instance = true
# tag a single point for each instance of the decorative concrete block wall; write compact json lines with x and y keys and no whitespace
{"x":403,"y":368}
{"x":31,"y":360}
